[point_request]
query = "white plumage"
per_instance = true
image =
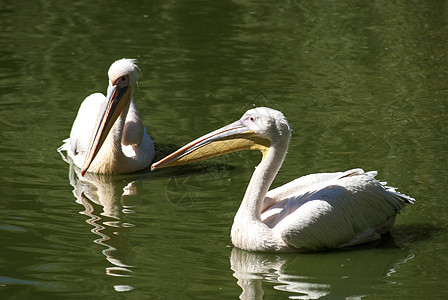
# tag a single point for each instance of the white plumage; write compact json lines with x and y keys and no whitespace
{"x":313,"y":212}
{"x":108,"y":136}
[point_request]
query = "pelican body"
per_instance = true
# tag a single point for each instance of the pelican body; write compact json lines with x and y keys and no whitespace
{"x":314,"y":212}
{"x":108,"y":136}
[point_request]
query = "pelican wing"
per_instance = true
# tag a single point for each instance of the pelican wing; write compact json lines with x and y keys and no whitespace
{"x":85,"y":122}
{"x":302,"y":185}
{"x":76,"y":145}
{"x":349,"y":208}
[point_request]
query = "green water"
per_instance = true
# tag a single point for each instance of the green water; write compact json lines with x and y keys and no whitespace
{"x":363,"y":84}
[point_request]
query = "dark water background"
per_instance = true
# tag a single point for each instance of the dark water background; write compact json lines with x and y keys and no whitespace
{"x":363,"y":84}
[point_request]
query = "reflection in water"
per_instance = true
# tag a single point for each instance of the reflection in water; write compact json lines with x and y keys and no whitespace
{"x":332,"y":275}
{"x":107,"y":199}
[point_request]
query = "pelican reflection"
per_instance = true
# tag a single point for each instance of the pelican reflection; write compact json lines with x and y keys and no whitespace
{"x":332,"y":275}
{"x":107,"y":201}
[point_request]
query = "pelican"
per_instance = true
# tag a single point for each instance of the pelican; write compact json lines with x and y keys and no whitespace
{"x":108,"y":136}
{"x":314,"y":212}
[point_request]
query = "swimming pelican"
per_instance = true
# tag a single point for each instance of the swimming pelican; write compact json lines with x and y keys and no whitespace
{"x":314,"y":212}
{"x":108,"y":136}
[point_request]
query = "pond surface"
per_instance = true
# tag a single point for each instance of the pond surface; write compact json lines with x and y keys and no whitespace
{"x":362,"y":84}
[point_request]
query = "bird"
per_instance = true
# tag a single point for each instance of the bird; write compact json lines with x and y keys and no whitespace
{"x":108,"y":136}
{"x":311,"y":213}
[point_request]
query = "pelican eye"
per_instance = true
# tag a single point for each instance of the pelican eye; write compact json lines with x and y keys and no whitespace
{"x":122,"y":81}
{"x":249,"y":118}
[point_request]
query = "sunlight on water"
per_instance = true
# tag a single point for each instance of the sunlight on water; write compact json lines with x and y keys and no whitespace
{"x":362,"y":85}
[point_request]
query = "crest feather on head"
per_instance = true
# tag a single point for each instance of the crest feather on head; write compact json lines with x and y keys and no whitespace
{"x":122,"y":67}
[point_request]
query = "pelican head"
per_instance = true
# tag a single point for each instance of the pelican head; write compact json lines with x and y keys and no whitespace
{"x":258,"y":129}
{"x":122,"y":77}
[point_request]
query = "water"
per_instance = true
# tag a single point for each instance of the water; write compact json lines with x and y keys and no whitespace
{"x":362,"y":84}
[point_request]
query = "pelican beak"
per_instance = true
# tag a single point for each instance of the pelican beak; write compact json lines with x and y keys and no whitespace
{"x":230,"y":138}
{"x":117,"y":98}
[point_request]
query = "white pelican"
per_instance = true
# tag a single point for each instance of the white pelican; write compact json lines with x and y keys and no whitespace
{"x":108,"y":136}
{"x":314,"y":212}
